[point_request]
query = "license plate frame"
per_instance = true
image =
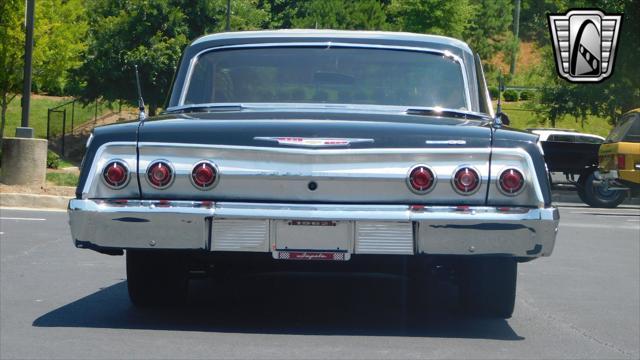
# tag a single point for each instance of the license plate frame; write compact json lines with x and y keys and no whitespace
{"x":314,"y":236}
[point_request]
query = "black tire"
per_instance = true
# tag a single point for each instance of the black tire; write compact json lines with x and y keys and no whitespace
{"x":488,"y":286}
{"x":596,"y":195}
{"x":156,"y":278}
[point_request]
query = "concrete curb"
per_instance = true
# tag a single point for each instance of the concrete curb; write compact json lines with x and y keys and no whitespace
{"x":34,"y":201}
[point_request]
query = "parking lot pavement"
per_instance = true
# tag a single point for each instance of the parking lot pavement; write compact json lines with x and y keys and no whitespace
{"x":60,"y":302}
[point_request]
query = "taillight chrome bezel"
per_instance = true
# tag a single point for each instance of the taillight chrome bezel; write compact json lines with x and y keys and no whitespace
{"x":499,"y":181}
{"x":434,"y":179}
{"x":172,"y":170}
{"x":454,"y":180}
{"x":216,"y":173}
{"x":127,"y":173}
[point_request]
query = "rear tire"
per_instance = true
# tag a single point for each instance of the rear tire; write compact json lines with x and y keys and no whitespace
{"x":156,"y":278}
{"x":596,"y":196}
{"x":488,"y":286}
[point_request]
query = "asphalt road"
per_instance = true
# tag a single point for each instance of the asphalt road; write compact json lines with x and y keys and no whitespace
{"x":60,"y":302}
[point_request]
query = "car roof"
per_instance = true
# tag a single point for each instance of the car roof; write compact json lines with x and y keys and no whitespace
{"x":347,"y":34}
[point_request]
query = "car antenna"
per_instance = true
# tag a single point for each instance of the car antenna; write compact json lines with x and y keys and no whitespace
{"x":497,"y":121}
{"x":141,"y":114}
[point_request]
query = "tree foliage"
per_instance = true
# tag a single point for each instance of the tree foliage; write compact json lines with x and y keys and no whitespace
{"x":440,"y":17}
{"x":57,"y":50}
{"x":151,"y":34}
{"x":489,"y":30}
{"x":338,"y":14}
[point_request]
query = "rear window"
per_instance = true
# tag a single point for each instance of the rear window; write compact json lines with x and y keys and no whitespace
{"x":327,"y":75}
{"x":627,"y":130}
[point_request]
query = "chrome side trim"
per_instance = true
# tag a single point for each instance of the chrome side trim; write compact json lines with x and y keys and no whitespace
{"x":329,"y":44}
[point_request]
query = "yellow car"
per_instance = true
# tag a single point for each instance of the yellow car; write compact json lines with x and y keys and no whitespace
{"x":619,"y":156}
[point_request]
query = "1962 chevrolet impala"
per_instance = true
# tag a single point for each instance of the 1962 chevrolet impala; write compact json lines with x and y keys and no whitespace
{"x":333,"y":148}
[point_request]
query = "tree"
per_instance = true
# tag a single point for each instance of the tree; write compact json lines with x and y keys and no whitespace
{"x":489,"y":30}
{"x":338,"y":14}
{"x":151,"y":34}
{"x":440,"y":17}
{"x":11,"y":48}
{"x":58,"y":47}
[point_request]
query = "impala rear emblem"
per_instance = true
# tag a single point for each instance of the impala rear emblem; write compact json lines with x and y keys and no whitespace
{"x":584,"y":43}
{"x":313,"y":142}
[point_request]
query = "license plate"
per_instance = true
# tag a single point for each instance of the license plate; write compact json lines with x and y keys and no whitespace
{"x":311,"y":255}
{"x":313,"y":236}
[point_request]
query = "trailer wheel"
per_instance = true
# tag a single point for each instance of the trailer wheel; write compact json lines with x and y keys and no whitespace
{"x":596,"y":195}
{"x":156,"y":278}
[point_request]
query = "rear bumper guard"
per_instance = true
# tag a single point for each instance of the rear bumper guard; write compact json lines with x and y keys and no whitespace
{"x":370,"y":229}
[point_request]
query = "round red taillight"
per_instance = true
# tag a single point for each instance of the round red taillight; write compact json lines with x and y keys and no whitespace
{"x":116,"y":174}
{"x":160,"y":174}
{"x":511,"y":182}
{"x":466,"y":181}
{"x":204,"y":175}
{"x":421,"y":179}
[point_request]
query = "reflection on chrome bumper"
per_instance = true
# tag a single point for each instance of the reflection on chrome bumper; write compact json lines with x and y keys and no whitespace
{"x":371,"y":229}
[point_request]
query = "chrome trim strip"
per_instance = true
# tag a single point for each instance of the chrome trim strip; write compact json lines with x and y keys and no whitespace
{"x":328,"y":44}
{"x":486,"y":150}
{"x":312,"y":142}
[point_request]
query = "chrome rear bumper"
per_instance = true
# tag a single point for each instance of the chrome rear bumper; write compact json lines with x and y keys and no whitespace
{"x":253,"y":227}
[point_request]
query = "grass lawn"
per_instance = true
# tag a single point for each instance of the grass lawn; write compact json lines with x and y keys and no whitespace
{"x":38,"y":114}
{"x":522,"y":118}
{"x":62,"y":179}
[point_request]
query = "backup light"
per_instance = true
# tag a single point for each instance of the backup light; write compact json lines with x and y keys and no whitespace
{"x":160,"y":174}
{"x":466,"y":181}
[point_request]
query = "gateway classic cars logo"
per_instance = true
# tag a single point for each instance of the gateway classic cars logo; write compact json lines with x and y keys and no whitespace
{"x":584,"y":43}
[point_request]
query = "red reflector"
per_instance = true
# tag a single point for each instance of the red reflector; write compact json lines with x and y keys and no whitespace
{"x":421,"y":179}
{"x":116,"y":174}
{"x":511,"y":182}
{"x":160,"y":174}
{"x":204,"y":175}
{"x":466,"y":181}
{"x":621,"y":162}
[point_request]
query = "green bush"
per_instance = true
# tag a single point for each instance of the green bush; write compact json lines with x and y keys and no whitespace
{"x":526,"y":95}
{"x":53,"y":160}
{"x":494,"y":92}
{"x":510,"y":95}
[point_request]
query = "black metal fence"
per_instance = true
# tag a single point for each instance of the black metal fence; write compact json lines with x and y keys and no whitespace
{"x":67,"y":118}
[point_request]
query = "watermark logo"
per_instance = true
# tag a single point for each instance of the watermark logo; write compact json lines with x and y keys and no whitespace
{"x":584,"y":44}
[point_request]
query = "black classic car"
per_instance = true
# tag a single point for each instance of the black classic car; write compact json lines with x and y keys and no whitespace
{"x":319,"y":150}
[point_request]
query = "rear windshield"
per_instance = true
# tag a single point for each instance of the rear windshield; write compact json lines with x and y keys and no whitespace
{"x":327,"y":75}
{"x":627,"y":130}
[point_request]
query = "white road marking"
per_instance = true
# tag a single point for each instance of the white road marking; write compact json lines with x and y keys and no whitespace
{"x":32,"y":209}
{"x":595,"y":226}
{"x":22,"y":219}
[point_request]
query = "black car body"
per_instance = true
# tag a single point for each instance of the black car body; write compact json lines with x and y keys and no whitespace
{"x":320,"y":145}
